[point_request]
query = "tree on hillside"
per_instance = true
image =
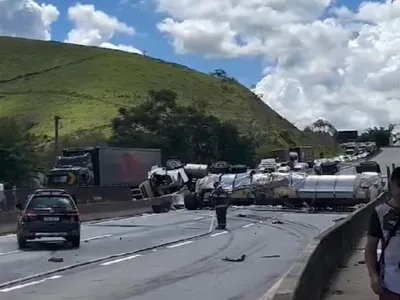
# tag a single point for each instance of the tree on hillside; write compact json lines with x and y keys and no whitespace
{"x":381,"y":136}
{"x":17,"y":152}
{"x":179,"y":131}
{"x":322,"y":125}
{"x":219,"y":73}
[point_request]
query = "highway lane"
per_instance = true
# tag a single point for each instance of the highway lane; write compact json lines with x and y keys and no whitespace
{"x":386,"y":157}
{"x":188,"y":269}
{"x":99,"y":240}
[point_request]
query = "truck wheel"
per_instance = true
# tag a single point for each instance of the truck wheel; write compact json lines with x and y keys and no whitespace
{"x":166,"y":207}
{"x":191,"y":201}
{"x":173,"y":164}
{"x":157,"y":209}
{"x":260,"y":199}
{"x":220,"y":167}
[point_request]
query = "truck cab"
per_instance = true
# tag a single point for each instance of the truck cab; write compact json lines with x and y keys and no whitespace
{"x":72,"y":169}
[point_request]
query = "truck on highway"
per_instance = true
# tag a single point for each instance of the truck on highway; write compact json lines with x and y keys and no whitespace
{"x":352,"y":149}
{"x":102,"y":166}
{"x":281,"y":155}
{"x":305,"y":154}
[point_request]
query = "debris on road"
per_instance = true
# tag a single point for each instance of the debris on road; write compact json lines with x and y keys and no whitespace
{"x":242,"y":258}
{"x":277,"y":222}
{"x":271,"y":256}
{"x":56,"y":259}
{"x":242,"y":216}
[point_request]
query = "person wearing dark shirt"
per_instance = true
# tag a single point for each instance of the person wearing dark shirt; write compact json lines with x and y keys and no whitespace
{"x":385,"y":273}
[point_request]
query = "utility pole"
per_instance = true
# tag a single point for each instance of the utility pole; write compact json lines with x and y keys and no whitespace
{"x":56,"y":126}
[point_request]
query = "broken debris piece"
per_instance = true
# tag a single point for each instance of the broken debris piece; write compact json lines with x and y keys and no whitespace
{"x":56,"y":259}
{"x":277,"y":222}
{"x":270,"y":256}
{"x":242,"y":258}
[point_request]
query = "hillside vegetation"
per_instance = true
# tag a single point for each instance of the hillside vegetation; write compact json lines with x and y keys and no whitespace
{"x":85,"y":86}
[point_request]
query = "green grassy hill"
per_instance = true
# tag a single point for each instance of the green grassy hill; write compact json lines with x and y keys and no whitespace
{"x":85,"y":86}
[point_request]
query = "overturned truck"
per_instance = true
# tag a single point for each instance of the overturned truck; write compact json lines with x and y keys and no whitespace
{"x":288,"y":189}
{"x":170,"y":185}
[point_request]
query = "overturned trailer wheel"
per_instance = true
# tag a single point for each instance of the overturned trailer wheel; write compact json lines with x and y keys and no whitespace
{"x":161,"y":204}
{"x":191,"y":202}
{"x":173,"y":164}
{"x":220,"y":167}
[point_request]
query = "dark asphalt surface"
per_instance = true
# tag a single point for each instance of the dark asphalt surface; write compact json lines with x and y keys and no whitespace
{"x":191,"y":269}
{"x":387,"y":157}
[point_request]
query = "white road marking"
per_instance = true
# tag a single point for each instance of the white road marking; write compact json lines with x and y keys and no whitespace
{"x":271,"y":292}
{"x":9,"y":252}
{"x":20,"y":286}
{"x":212,"y":224}
{"x":97,"y":237}
{"x":200,"y":218}
{"x":5,"y":236}
{"x":219,"y":233}
{"x":179,"y":244}
{"x":120,"y":259}
{"x":248,"y":225}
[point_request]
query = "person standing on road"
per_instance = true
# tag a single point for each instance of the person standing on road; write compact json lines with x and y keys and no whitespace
{"x":384,"y":226}
{"x":221,"y":205}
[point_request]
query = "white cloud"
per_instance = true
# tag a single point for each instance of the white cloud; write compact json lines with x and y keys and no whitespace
{"x":27,"y":18}
{"x":324,"y":61}
{"x":96,"y":28}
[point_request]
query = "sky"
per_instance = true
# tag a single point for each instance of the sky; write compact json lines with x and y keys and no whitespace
{"x":333,"y":59}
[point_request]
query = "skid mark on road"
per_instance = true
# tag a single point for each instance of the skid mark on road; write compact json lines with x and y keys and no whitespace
{"x":21,"y":286}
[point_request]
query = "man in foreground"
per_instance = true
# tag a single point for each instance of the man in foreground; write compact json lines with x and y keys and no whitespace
{"x":384,"y":227}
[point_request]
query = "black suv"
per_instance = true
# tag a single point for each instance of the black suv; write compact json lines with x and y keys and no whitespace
{"x":49,"y":213}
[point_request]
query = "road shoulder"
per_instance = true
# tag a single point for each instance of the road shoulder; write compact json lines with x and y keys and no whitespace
{"x":351,"y":281}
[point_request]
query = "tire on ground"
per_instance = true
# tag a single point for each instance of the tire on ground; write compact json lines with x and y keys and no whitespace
{"x":157,"y":209}
{"x":190,"y":201}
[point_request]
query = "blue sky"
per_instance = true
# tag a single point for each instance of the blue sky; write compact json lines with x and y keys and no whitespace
{"x":144,"y":19}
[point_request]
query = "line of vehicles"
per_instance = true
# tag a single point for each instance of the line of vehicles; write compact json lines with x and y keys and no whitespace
{"x":188,"y":184}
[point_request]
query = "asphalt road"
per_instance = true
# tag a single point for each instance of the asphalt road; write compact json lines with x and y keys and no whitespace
{"x":179,"y":264}
{"x":386,"y":157}
{"x":181,"y":270}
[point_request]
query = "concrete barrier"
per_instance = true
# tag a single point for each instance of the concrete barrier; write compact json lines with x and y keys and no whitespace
{"x":88,"y":212}
{"x":84,"y":195}
{"x":312,"y":271}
